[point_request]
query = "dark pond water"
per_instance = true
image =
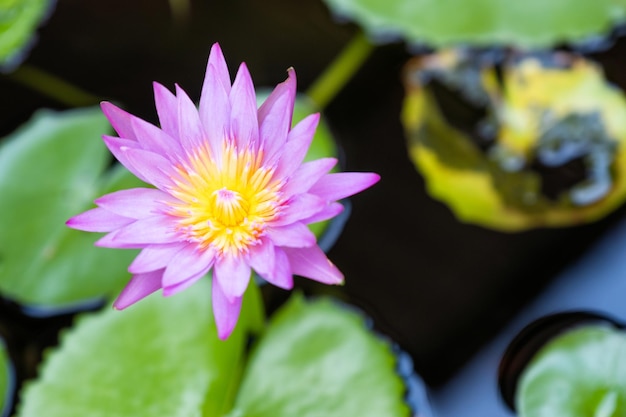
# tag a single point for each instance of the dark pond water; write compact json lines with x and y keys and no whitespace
{"x":439,"y":288}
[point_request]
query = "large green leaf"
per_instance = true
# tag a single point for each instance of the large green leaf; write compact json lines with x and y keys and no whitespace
{"x":319,"y":359}
{"x":160,"y":357}
{"x":51,"y":169}
{"x":578,"y":374}
{"x":18,"y":22}
{"x":530,"y":23}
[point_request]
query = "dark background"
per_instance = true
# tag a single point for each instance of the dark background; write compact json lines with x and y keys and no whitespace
{"x":439,"y":288}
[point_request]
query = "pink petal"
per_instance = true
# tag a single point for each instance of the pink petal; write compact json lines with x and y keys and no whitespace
{"x":98,"y":220}
{"x":190,"y":131}
{"x":244,"y":127}
{"x":216,"y":60}
{"x":226,"y":311}
{"x":156,"y":140}
{"x":140,"y":286}
{"x":297,"y":146}
{"x":152,"y":230}
{"x":215,"y":110}
{"x":120,"y":119}
{"x":299,"y":207}
{"x":117,"y":147}
{"x":233,"y":275}
{"x":188,"y":262}
{"x":181,"y":286}
{"x":154,"y":167}
{"x":275,"y":115}
{"x":167,"y":109}
{"x":271,"y":264}
{"x":154,"y":257}
{"x":294,"y":235}
{"x":334,"y":187}
{"x":261,"y":257}
{"x":308,"y":174}
{"x":312,"y":263}
{"x":282,"y":275}
{"x":330,"y":211}
{"x":109,"y":241}
{"x":135,"y":203}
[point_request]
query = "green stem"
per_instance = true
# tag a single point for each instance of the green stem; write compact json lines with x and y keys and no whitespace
{"x":349,"y":60}
{"x":52,"y":86}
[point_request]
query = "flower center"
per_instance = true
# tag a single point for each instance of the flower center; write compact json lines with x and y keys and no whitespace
{"x":226,"y":200}
{"x":230,"y":208}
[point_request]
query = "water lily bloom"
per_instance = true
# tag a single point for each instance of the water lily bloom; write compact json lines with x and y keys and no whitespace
{"x":231,"y":195}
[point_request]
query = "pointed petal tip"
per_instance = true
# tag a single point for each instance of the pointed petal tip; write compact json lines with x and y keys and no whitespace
{"x":70,"y":223}
{"x":216,"y":49}
{"x":225,"y":312}
{"x":119,"y":306}
{"x":75,"y":222}
{"x":373,"y":178}
{"x":159,"y":88}
{"x":179,"y":90}
{"x":291,"y":78}
{"x":106,"y":105}
{"x":224,"y":334}
{"x":169,"y":291}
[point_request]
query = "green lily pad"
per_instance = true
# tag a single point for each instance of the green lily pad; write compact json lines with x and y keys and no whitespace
{"x":160,"y":357}
{"x":319,"y":359}
{"x":578,"y":374}
{"x":18,"y":22}
{"x":52,"y":168}
{"x":532,"y":23}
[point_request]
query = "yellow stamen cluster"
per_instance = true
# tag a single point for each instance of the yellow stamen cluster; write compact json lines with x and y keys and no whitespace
{"x":226,"y":200}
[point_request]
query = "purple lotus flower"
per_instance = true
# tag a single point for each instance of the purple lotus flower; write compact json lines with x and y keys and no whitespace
{"x":232,"y":193}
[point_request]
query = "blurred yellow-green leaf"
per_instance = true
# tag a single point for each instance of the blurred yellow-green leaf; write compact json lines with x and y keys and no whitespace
{"x":534,"y":141}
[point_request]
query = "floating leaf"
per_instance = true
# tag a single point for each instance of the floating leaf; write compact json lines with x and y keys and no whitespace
{"x":50,"y":169}
{"x":578,"y":374}
{"x":319,"y":359}
{"x":18,"y":21}
{"x":532,"y":23}
{"x":541,"y":145}
{"x":160,"y":357}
